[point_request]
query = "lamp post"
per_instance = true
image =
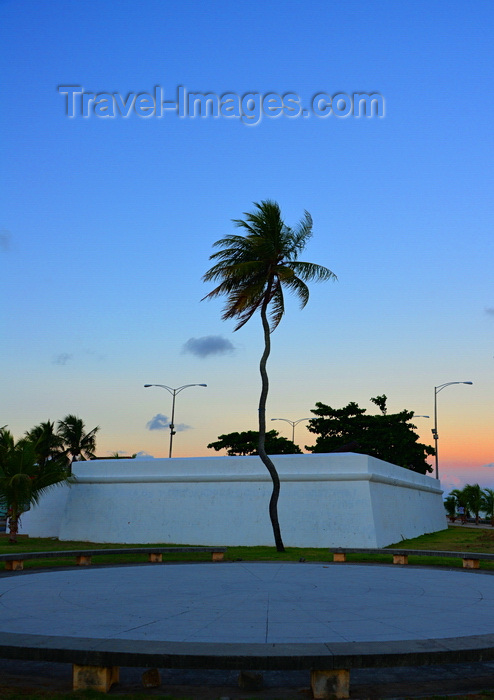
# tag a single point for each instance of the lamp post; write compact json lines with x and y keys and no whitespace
{"x":437,"y":389}
{"x":293,"y":423}
{"x":173,"y":392}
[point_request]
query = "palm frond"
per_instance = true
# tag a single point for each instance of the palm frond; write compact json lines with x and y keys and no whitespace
{"x":262,"y":262}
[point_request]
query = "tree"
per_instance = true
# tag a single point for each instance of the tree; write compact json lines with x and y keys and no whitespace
{"x":252,"y":271}
{"x":462,"y":502}
{"x":48,"y":444}
{"x":78,"y":444}
{"x":488,"y":504}
{"x":450,"y":506}
{"x":474,"y":499}
{"x":247,"y":443}
{"x":22,"y":479}
{"x":387,"y":436}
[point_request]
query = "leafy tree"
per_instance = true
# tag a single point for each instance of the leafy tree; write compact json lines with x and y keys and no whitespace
{"x":488,"y":504}
{"x":252,"y":270}
{"x":22,"y":479}
{"x":450,"y":506}
{"x":78,"y":444}
{"x":387,"y":436}
{"x":48,"y":444}
{"x":474,"y":498}
{"x":247,"y":442}
{"x":461,"y":501}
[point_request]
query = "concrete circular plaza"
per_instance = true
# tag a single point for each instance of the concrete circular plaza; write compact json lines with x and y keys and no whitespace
{"x":253,"y":603}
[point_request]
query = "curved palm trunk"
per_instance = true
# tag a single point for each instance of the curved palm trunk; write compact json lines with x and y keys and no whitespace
{"x":273,"y":503}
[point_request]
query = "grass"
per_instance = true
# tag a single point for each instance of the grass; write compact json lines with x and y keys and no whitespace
{"x":453,"y":539}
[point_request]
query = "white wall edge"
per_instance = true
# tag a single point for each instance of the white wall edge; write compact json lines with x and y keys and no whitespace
{"x":228,"y":478}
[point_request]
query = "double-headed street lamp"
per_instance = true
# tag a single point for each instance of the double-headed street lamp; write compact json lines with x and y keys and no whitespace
{"x":293,"y":423}
{"x":173,"y":392}
{"x":437,"y":389}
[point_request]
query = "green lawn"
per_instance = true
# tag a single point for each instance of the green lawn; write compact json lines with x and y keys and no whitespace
{"x":452,"y":539}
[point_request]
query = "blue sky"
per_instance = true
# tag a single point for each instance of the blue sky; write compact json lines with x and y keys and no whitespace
{"x":107,"y":224}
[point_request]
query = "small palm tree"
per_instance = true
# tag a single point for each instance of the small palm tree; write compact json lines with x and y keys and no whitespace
{"x":252,"y":271}
{"x":450,"y":505}
{"x":462,"y":502}
{"x":488,"y":504}
{"x":22,"y":480}
{"x":474,"y":498}
{"x":78,"y":444}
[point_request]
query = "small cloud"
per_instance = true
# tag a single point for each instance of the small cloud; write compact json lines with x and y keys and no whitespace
{"x":490,"y":311}
{"x":161,"y":422}
{"x":62,"y":359}
{"x":491,"y":464}
{"x":208,"y":345}
{"x":5,"y":239}
{"x":158,"y":422}
{"x":144,"y":455}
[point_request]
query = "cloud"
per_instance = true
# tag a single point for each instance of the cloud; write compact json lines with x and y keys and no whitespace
{"x":208,"y":345}
{"x":491,"y":464}
{"x":5,"y":239}
{"x":158,"y":422}
{"x":161,"y":422}
{"x":144,"y":455}
{"x":62,"y":359}
{"x":490,"y":311}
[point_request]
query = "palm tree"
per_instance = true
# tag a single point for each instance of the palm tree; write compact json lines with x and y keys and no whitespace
{"x":48,"y":444}
{"x":462,"y":501}
{"x":474,"y":498}
{"x":77,"y":443}
{"x":488,"y":504}
{"x":450,"y":506}
{"x":252,"y":270}
{"x":22,"y":480}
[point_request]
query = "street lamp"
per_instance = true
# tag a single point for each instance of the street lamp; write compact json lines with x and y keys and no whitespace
{"x":293,"y":423}
{"x":437,"y":389}
{"x":173,"y":392}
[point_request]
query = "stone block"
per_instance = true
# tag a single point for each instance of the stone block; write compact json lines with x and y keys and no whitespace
{"x":330,"y":685}
{"x":83,"y":560}
{"x":14,"y":565}
{"x":100,"y":678}
{"x":471,"y":563}
{"x":339,"y":556}
{"x":248,"y":680}
{"x":400,"y":558}
{"x":155,"y":558}
{"x":151,"y":678}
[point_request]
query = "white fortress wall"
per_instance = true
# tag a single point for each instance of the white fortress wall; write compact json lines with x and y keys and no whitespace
{"x":43,"y":520}
{"x":326,"y":500}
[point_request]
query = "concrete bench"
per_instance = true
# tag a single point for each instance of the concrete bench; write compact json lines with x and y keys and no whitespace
{"x":471,"y":560}
{"x":83,"y":557}
{"x":96,"y":662}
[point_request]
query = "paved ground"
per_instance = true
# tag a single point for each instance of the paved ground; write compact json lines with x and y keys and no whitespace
{"x":252,"y":602}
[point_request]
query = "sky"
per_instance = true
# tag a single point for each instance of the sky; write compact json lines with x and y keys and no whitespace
{"x":107,"y":221}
